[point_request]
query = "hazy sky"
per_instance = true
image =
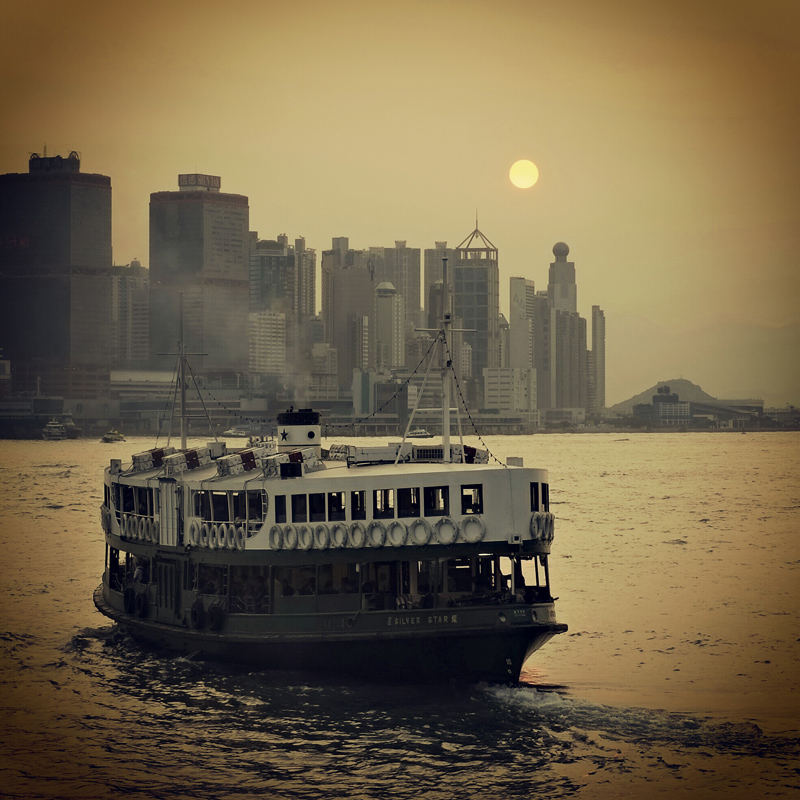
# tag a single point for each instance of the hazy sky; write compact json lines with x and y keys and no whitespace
{"x":667,"y":135}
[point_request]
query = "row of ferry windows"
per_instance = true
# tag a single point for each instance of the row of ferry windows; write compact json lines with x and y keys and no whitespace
{"x":432,"y":501}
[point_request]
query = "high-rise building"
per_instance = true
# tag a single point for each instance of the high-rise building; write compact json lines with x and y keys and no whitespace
{"x":476,"y":299}
{"x":267,"y":342}
{"x":55,"y":292}
{"x":199,"y":248}
{"x":597,"y":364}
{"x":130,"y":311}
{"x":544,"y":350}
{"x":389,"y":318}
{"x":571,"y":363}
{"x":433,"y":267}
{"x":400,"y":266}
{"x":521,"y":316}
{"x":561,"y":287}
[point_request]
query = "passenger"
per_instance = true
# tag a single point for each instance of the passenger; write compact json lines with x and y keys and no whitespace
{"x":286,"y":588}
{"x":138,"y":573}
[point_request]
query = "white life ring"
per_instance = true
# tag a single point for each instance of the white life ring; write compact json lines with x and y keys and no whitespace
{"x":148,"y":530}
{"x":305,"y":537}
{"x":322,"y":536}
{"x":374,"y":540}
{"x":535,"y":525}
{"x":358,"y":536}
{"x":420,"y":531}
{"x":194,"y":533}
{"x":551,"y":526}
{"x":239,"y":537}
{"x":289,"y":537}
{"x":213,"y":539}
{"x":205,"y":535}
{"x":473,"y":529}
{"x":397,"y":533}
{"x":276,"y":537}
{"x":338,"y":536}
{"x":128,"y":524}
{"x":125,"y":526}
{"x":143,"y":530}
{"x":156,"y":531}
{"x":446,"y":530}
{"x":230,"y":536}
{"x":222,"y":535}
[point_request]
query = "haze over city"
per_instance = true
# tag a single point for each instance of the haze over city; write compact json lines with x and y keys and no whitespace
{"x":665,"y":139}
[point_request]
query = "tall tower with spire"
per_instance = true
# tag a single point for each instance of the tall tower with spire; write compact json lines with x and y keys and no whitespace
{"x":476,"y":299}
{"x":561,"y":287}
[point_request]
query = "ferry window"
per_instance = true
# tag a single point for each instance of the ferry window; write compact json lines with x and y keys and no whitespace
{"x":535,"y":497}
{"x":546,"y":496}
{"x":472,"y":499}
{"x":280,"y":508}
{"x":316,"y":507}
{"x":219,"y":506}
{"x":358,"y":503}
{"x":127,"y":499}
{"x":336,"y":509}
{"x":437,"y":501}
{"x":299,"y":508}
{"x":140,"y":499}
{"x":212,"y":580}
{"x":290,"y":581}
{"x":201,"y":506}
{"x":383,"y":503}
{"x":408,"y":502}
{"x":257,"y":504}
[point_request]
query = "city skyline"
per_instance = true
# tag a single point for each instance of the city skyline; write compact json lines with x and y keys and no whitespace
{"x":664,"y":139}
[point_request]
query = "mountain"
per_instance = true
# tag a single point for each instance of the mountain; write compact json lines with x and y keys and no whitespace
{"x":686,"y":390}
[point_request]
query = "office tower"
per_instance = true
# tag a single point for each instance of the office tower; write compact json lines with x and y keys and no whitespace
{"x":510,"y":389}
{"x":199,"y":248}
{"x":389,"y":327}
{"x":544,"y":350}
{"x":130,"y":312}
{"x":571,"y":362}
{"x":347,"y":302}
{"x":433,"y":269}
{"x":597,"y":372}
{"x":521,"y":316}
{"x":55,"y":292}
{"x":267,"y":342}
{"x":476,"y":299}
{"x":561,"y":286}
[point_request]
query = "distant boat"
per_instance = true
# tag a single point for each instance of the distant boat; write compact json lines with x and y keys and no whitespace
{"x":54,"y":431}
{"x":73,"y":431}
{"x":113,"y":436}
{"x":242,"y":433}
{"x":419,"y":433}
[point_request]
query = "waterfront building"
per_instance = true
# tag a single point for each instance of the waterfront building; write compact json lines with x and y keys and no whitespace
{"x":510,"y":389}
{"x":55,"y":292}
{"x":199,"y":248}
{"x":267,"y":342}
{"x":130,"y":314}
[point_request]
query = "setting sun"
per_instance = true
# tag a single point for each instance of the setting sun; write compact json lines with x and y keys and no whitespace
{"x":523,"y":174}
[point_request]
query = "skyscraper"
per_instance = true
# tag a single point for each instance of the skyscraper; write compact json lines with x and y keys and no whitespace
{"x":199,"y":247}
{"x":55,"y":291}
{"x":130,"y":310}
{"x":561,"y":287}
{"x":597,"y":364}
{"x":476,"y":299}
{"x":389,"y":327}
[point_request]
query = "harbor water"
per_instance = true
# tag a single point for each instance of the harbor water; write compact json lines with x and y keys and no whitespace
{"x":676,"y":561}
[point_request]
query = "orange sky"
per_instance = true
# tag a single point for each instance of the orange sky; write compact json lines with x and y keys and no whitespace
{"x":666,"y":135}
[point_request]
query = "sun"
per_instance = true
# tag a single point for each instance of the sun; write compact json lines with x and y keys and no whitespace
{"x":523,"y":174}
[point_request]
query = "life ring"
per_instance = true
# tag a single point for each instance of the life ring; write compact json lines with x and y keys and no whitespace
{"x":239,"y":537}
{"x":358,"y":536}
{"x":289,"y":537}
{"x":230,"y":536}
{"x":534,"y":525}
{"x":473,"y":529}
{"x":129,"y":600}
{"x":194,"y":533}
{"x":198,"y":614}
{"x":213,"y":539}
{"x":222,"y":535}
{"x":155,"y":531}
{"x":143,"y":530}
{"x":276,"y":537}
{"x":141,"y":605}
{"x":376,"y":534}
{"x":129,"y":523}
{"x":321,"y":536}
{"x":305,"y":537}
{"x":338,"y":535}
{"x":551,"y":526}
{"x":205,"y":535}
{"x":216,"y":617}
{"x":148,"y":530}
{"x":124,"y":526}
{"x":420,"y":531}
{"x":397,"y":533}
{"x":446,"y":530}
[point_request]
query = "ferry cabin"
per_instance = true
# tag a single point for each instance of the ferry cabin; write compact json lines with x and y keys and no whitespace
{"x":304,"y":537}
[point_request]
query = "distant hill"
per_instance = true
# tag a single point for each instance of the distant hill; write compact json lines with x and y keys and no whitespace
{"x":686,"y":390}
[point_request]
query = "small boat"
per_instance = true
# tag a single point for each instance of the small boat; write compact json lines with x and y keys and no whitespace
{"x":54,"y":431}
{"x":419,"y":433}
{"x":236,"y":433}
{"x":417,"y":562}
{"x":112,"y":436}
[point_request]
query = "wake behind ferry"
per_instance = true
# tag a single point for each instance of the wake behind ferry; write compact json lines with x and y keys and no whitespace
{"x":401,"y":561}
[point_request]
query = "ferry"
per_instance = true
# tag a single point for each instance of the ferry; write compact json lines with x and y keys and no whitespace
{"x":54,"y":431}
{"x":112,"y":436}
{"x":402,"y":561}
